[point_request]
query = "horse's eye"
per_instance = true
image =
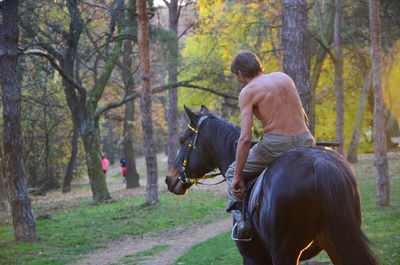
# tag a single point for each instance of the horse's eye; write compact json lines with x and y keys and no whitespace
{"x":185,"y":137}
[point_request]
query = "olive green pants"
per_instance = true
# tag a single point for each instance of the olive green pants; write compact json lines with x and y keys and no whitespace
{"x":262,"y":154}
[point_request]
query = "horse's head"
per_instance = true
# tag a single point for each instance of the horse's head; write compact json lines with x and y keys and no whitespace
{"x":194,"y":159}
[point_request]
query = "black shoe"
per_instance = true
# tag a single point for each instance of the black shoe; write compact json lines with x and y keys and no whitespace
{"x":242,"y":230}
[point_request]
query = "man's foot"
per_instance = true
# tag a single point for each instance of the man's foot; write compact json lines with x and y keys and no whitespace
{"x":242,"y":230}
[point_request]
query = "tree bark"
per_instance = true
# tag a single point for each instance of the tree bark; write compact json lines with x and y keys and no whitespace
{"x":362,"y":103}
{"x":132,"y":176}
{"x":91,"y":142}
{"x":172,"y":79}
{"x":145,"y":106}
{"x":296,"y":56}
{"x":339,"y":93}
{"x":380,"y":148}
{"x":18,"y":196}
{"x":4,"y":205}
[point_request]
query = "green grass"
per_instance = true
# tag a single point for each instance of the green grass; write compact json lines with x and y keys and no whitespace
{"x":73,"y":231}
{"x":382,"y":225}
{"x":76,"y":227}
{"x":217,"y":250}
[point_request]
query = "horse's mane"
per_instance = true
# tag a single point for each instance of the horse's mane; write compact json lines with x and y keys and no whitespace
{"x":224,"y":127}
{"x":226,"y":135}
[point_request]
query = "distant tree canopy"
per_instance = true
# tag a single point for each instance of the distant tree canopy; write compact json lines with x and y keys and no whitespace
{"x":226,"y":27}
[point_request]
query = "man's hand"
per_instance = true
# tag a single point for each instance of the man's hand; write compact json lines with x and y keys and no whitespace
{"x":237,"y":187}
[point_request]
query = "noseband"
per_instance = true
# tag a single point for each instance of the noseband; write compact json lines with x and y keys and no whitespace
{"x":184,"y":178}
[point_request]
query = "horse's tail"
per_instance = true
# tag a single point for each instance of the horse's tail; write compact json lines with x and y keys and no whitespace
{"x":337,"y":189}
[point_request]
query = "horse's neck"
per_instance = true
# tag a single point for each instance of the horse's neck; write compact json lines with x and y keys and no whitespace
{"x":224,"y":148}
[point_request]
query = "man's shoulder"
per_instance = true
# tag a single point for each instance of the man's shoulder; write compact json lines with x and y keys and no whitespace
{"x":278,"y":75}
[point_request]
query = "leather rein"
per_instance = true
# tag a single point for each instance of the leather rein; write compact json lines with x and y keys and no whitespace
{"x":184,"y":178}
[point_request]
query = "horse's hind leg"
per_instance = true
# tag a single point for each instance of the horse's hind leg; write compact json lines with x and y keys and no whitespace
{"x":324,"y":242}
{"x":311,"y":251}
{"x":288,"y":246}
{"x":289,"y":239}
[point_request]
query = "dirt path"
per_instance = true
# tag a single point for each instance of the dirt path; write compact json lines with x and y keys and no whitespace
{"x":179,"y":240}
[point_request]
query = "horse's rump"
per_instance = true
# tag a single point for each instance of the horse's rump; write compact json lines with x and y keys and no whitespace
{"x":311,"y":194}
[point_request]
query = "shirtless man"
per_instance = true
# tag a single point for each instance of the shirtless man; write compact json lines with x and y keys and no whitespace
{"x":274,"y":100}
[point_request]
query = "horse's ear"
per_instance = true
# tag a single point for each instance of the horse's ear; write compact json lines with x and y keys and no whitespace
{"x":204,"y":110}
{"x":189,"y":113}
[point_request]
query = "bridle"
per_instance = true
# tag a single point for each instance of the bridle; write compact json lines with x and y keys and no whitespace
{"x":184,"y":178}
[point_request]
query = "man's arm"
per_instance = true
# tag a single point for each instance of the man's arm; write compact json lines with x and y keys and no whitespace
{"x":306,"y":118}
{"x":244,"y":143}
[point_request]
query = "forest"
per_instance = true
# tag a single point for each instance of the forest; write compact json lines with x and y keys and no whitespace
{"x":86,"y":79}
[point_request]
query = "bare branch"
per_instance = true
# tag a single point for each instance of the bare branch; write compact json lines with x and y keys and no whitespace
{"x":55,"y":65}
{"x":211,"y":91}
{"x":167,"y":3}
{"x":185,"y":30}
{"x":325,"y":48}
{"x":159,"y":89}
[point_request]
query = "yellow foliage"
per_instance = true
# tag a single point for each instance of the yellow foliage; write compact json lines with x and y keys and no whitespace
{"x":224,"y":28}
{"x":391,"y":80}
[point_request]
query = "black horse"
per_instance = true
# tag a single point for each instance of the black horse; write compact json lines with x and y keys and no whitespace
{"x":308,"y":201}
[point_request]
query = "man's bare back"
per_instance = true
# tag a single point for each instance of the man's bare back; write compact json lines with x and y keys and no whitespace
{"x":276,"y":103}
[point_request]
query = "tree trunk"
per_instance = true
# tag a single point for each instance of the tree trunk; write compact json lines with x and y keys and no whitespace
{"x":71,"y":163}
{"x":145,"y":106}
{"x":91,"y":142}
{"x":380,"y":156}
{"x":4,"y":205}
{"x":132,"y":176}
{"x":362,"y":103}
{"x":109,"y":149}
{"x":172,"y":79}
{"x":81,"y":110}
{"x":296,"y":57}
{"x":18,"y":196}
{"x":339,"y":93}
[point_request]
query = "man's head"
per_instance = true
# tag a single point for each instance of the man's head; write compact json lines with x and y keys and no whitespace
{"x":246,"y":63}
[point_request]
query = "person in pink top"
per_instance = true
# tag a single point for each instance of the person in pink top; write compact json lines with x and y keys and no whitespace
{"x":104,"y":164}
{"x":123,"y":165}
